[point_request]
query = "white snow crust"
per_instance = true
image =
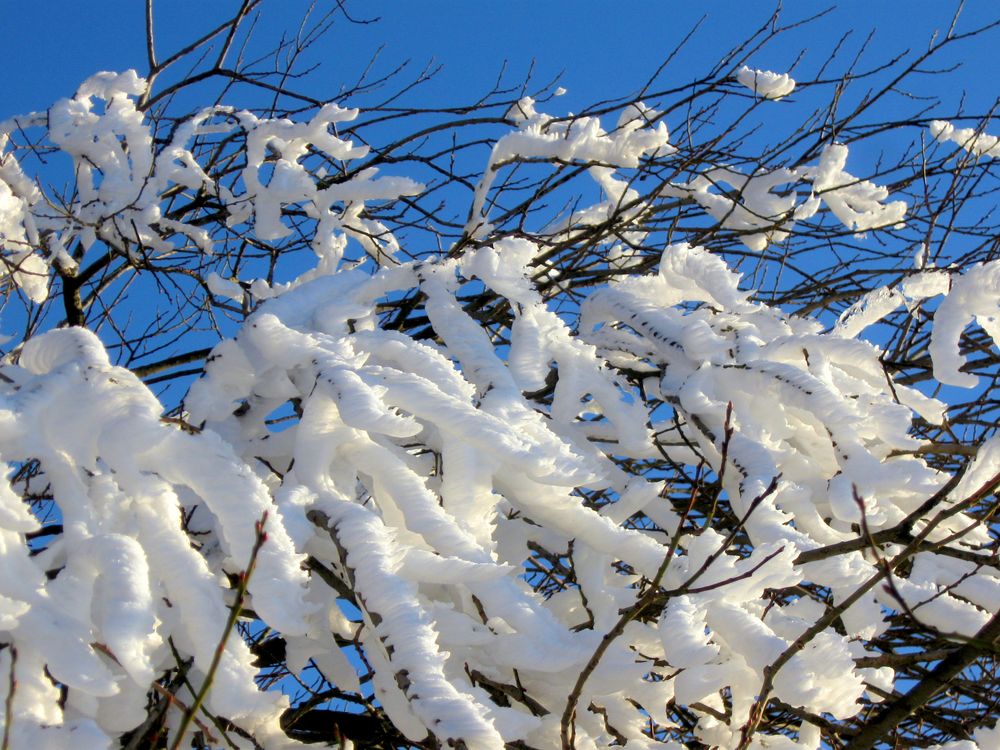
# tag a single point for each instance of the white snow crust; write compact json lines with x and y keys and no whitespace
{"x":421,"y":473}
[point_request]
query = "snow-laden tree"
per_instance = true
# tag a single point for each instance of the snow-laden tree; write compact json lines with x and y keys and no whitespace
{"x":670,"y":423}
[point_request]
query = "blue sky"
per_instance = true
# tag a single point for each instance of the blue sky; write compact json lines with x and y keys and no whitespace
{"x":601,"y":51}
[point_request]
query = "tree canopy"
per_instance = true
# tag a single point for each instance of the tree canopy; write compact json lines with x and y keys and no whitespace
{"x":668,"y":423}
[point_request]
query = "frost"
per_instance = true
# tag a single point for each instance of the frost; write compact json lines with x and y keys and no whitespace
{"x":17,"y":229}
{"x":224,"y":287}
{"x":972,"y":140}
{"x":127,"y":555}
{"x":581,"y":140}
{"x":468,"y":523}
{"x":756,"y":206}
{"x":765,"y":83}
{"x":763,"y":207}
{"x":857,"y":203}
{"x":123,"y":175}
{"x":974,"y":294}
{"x":868,"y":310}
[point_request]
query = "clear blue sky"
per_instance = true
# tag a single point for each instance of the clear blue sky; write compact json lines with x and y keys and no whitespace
{"x":602,"y":51}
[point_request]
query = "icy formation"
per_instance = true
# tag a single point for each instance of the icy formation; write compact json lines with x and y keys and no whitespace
{"x":762,"y":209}
{"x":974,"y":141}
{"x":130,"y":587}
{"x":765,"y":83}
{"x":414,"y":478}
{"x":422,"y":486}
{"x":122,"y":182}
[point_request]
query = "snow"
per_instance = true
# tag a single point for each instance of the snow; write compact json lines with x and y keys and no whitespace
{"x":422,"y":474}
{"x":765,"y":83}
{"x":974,"y":295}
{"x":857,"y":203}
{"x":972,"y":140}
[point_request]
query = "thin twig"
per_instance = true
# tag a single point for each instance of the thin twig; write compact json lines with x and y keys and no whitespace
{"x":9,"y":703}
{"x":234,"y":615}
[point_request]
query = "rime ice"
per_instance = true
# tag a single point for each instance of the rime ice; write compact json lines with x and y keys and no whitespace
{"x":419,"y":473}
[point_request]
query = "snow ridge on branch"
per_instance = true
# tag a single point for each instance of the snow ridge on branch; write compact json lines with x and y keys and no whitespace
{"x":409,"y":480}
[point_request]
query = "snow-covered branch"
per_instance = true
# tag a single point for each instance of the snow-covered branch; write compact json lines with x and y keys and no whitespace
{"x":590,"y":473}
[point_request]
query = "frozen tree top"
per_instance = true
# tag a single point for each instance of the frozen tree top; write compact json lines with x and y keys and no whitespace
{"x":526,"y":520}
